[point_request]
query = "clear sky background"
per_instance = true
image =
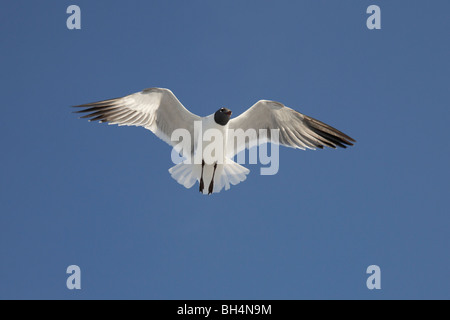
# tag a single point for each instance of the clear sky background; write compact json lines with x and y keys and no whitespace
{"x":100,"y":197}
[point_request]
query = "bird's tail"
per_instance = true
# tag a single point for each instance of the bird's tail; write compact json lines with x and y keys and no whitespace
{"x":227,"y":174}
{"x":186,"y":174}
{"x":231,"y":174}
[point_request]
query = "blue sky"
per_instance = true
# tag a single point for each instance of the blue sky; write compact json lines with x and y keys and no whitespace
{"x":100,"y":197}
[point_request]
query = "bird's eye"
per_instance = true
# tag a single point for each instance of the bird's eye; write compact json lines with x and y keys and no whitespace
{"x":222,"y":110}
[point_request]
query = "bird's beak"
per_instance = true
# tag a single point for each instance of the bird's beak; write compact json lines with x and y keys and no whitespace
{"x":229,"y":113}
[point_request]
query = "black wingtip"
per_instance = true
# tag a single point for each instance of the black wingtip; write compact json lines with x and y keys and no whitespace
{"x":332,"y":136}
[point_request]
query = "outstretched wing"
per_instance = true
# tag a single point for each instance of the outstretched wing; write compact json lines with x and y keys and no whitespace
{"x":296,"y":130}
{"x":155,"y":109}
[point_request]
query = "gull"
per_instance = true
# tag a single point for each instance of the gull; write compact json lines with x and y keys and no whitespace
{"x":159,"y":110}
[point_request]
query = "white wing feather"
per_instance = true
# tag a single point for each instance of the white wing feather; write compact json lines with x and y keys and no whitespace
{"x":155,"y":109}
{"x":296,"y":130}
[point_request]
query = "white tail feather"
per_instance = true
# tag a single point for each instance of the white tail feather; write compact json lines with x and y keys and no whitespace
{"x":231,"y":173}
{"x":184,"y":174}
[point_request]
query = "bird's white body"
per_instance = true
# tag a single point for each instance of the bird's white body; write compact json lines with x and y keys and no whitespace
{"x":212,"y":165}
{"x":209,"y":164}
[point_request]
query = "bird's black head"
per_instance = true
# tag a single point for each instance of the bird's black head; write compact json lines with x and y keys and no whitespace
{"x":222,"y":116}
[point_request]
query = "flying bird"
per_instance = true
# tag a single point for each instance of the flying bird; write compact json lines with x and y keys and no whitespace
{"x":159,"y":111}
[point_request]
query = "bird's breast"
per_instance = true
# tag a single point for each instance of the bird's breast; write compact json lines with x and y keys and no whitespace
{"x":211,"y":142}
